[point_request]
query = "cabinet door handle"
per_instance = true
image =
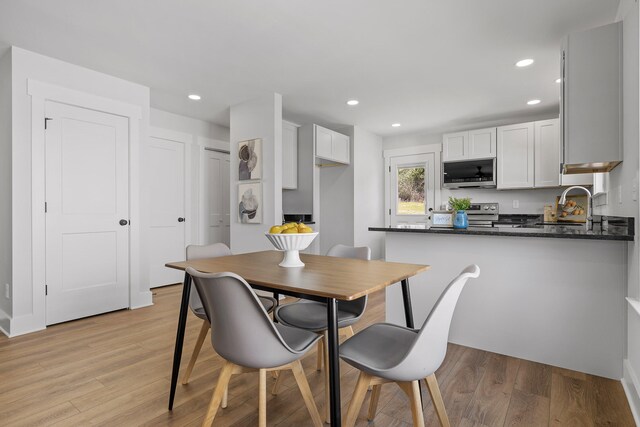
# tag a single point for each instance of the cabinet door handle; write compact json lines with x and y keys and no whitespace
{"x":181,"y":219}
{"x":123,"y":222}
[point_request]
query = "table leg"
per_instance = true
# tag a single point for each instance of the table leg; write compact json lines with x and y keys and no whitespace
{"x":408,"y":314}
{"x":182,"y":323}
{"x":334,"y":362}
{"x":406,"y":299}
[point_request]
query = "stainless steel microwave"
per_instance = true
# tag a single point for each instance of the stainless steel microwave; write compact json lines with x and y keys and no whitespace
{"x":469,"y":173}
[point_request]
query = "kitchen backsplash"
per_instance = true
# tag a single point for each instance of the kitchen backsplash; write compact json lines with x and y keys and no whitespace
{"x":528,"y":201}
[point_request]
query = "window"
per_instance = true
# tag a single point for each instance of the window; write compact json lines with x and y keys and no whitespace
{"x":411,"y":196}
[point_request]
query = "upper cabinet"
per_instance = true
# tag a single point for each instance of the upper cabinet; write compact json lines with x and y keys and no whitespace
{"x":331,"y":146}
{"x":289,"y":156}
{"x":515,"y":160}
{"x":546,"y":148}
{"x":591,"y":99}
{"x":474,"y":144}
{"x":529,"y":157}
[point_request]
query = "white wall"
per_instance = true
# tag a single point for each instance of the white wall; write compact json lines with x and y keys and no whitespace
{"x":300,"y":200}
{"x":258,"y":118}
{"x":336,"y":200}
{"x":166,"y":120}
{"x":28,"y":65}
{"x":5,"y":188}
{"x":368,"y":195}
{"x":625,"y":176}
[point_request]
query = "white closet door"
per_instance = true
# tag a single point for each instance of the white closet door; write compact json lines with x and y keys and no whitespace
{"x":87,"y":182}
{"x":216,"y":198}
{"x":167,"y":210}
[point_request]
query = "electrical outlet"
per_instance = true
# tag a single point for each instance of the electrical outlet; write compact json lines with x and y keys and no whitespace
{"x":619,"y":194}
{"x":7,"y":291}
{"x":516,"y":204}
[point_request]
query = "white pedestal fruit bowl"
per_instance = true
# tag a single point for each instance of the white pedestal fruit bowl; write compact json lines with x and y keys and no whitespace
{"x":291,"y":244}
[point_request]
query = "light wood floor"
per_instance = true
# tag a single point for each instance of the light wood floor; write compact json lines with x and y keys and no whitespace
{"x":115,"y":369}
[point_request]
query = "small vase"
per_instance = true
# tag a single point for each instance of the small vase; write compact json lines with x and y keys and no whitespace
{"x":460,"y":220}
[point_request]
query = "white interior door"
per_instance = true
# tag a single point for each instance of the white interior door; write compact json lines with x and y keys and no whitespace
{"x":412,"y":188}
{"x":87,"y":181}
{"x":167,"y":210}
{"x":215,"y":198}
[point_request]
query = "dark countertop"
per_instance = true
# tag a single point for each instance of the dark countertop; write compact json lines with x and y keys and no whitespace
{"x":559,"y":231}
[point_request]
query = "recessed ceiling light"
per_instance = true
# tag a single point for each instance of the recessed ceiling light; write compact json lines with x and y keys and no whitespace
{"x":533,"y":102}
{"x":558,"y":80}
{"x":396,"y":125}
{"x":353,"y":102}
{"x":524,"y":62}
{"x":195,"y":97}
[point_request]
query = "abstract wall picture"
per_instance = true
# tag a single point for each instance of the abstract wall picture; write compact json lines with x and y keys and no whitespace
{"x":250,"y":154}
{"x":250,"y":203}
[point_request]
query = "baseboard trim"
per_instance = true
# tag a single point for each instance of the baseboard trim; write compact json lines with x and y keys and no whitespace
{"x":631,"y":388}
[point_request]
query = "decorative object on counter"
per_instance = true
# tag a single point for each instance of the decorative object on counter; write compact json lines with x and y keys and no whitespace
{"x":443,"y":219}
{"x":550,"y":214}
{"x":460,"y":206}
{"x":250,"y":203}
{"x":291,"y":238}
{"x":250,"y":154}
{"x":574,"y":209}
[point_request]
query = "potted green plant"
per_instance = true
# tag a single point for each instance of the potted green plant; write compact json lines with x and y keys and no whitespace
{"x":460,"y":207}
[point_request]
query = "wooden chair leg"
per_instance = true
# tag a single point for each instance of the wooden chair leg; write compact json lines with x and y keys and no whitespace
{"x":204,"y":329}
{"x":436,"y":397}
{"x":262,"y":401}
{"x":320,"y":355}
{"x":225,"y":398}
{"x":373,"y":403}
{"x":412,"y":389}
{"x":356,"y":400}
{"x":303,"y":385}
{"x":216,"y":398}
{"x":347,"y":332}
{"x":276,"y":385}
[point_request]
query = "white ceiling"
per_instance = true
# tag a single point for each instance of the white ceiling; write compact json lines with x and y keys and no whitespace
{"x":428,"y":64}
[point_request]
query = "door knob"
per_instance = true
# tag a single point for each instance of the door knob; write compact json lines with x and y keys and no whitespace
{"x":124,"y":222}
{"x":180,"y":219}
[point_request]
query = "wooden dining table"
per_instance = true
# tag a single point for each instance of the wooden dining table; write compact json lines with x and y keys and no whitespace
{"x":323,"y":278}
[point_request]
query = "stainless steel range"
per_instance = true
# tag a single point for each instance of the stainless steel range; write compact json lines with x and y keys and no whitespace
{"x":483,"y":214}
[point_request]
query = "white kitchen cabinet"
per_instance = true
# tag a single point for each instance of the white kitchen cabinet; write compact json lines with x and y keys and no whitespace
{"x":591,"y":94}
{"x":547,"y":153}
{"x":331,"y":146}
{"x":289,"y":156}
{"x":515,"y":156}
{"x":455,"y":146}
{"x":468,"y":145}
{"x":482,"y":143}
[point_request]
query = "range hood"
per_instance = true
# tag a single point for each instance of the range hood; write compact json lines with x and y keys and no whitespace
{"x":593,"y":167}
{"x":591,"y":100}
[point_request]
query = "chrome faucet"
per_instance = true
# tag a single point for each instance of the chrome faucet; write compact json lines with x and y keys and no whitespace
{"x":563,"y":200}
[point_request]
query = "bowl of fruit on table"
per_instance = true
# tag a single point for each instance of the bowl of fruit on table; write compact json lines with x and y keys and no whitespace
{"x":291,"y":238}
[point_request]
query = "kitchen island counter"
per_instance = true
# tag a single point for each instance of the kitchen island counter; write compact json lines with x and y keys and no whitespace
{"x":552,"y":298}
{"x":556,"y":231}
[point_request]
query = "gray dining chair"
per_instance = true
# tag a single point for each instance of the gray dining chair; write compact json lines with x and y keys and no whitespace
{"x":390,"y":353}
{"x":245,"y":337}
{"x":312,"y":315}
{"x":202,"y":252}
